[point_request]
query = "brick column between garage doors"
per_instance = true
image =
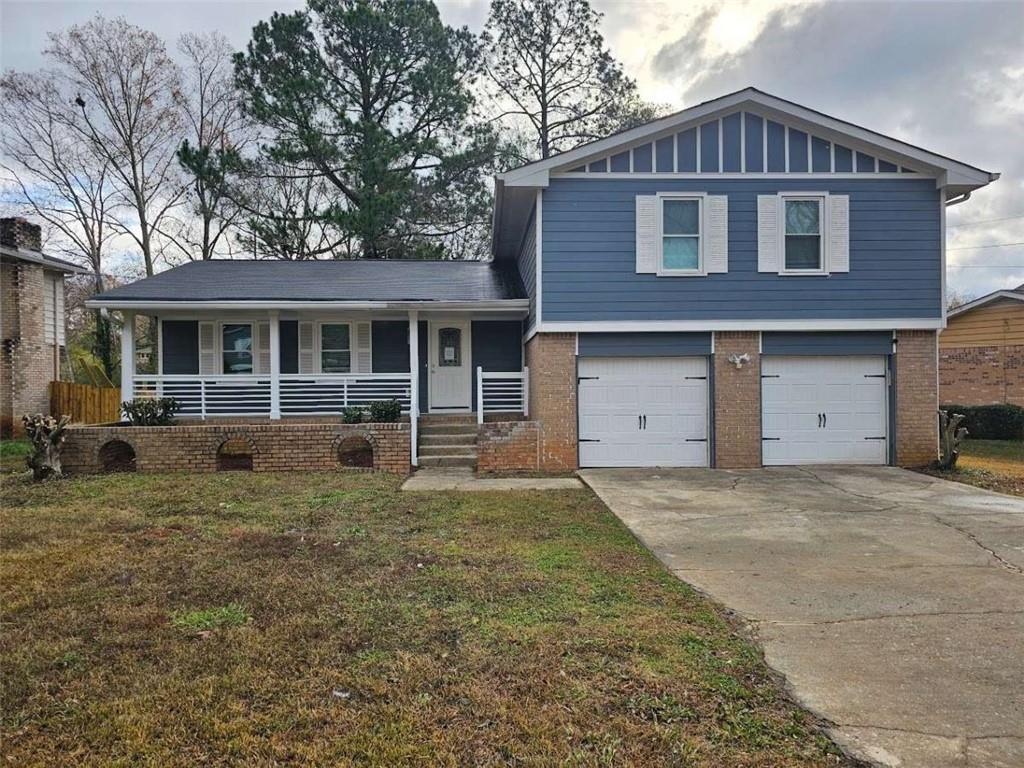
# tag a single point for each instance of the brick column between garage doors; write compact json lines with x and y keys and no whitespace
{"x":917,"y":401}
{"x":737,"y":401}
{"x":551,"y":358}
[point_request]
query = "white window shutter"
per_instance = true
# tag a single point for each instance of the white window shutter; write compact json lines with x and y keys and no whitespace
{"x":768,"y":234}
{"x":59,"y":296}
{"x":647,"y":234}
{"x":307,"y":361}
{"x":716,"y":233}
{"x":364,"y":354}
{"x":839,"y":233}
{"x":262,"y":348}
{"x":208,"y":349}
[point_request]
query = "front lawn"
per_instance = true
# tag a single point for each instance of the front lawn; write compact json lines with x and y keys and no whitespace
{"x":994,"y":464}
{"x":330,"y":619}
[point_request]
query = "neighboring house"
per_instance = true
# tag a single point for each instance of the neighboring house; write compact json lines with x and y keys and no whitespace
{"x":31,"y":322}
{"x":746,"y":282}
{"x":981,"y":351}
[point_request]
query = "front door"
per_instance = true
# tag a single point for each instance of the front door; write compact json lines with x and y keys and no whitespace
{"x":450,"y":367}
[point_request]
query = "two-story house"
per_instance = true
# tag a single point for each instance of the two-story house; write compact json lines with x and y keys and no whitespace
{"x":747,"y":282}
{"x":32,"y":323}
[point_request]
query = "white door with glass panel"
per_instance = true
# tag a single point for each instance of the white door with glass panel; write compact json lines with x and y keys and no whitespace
{"x":449,"y":367}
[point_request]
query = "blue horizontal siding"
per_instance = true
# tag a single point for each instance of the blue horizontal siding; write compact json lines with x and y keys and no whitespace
{"x":829,"y":343}
{"x":589,"y":255}
{"x":526,"y":259}
{"x":644,"y":344}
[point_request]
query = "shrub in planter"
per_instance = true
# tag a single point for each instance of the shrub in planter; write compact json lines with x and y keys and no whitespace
{"x":385,"y":411}
{"x":352,"y":415}
{"x":151,"y":412}
{"x":991,"y":422}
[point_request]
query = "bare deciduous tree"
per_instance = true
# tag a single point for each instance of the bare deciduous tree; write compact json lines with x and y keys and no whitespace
{"x":128,"y":98}
{"x":58,"y":178}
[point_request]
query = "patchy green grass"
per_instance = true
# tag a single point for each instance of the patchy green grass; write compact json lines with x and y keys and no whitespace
{"x":12,"y":455}
{"x":230,"y":615}
{"x":329,"y":619}
{"x":994,"y":464}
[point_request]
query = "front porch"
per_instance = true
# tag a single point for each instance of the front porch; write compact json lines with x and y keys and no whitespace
{"x":256,"y":366}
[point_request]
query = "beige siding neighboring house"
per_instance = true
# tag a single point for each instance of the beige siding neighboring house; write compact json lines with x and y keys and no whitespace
{"x":981,"y":351}
{"x":31,"y":322}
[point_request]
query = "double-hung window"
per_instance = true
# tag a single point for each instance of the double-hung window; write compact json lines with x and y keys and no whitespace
{"x":335,"y":348}
{"x":681,"y":247}
{"x":236,"y":343}
{"x":804,"y":243}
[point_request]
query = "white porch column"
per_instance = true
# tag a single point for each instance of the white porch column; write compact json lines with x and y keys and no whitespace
{"x":275,"y":365}
{"x":414,"y":383}
{"x":128,"y":356}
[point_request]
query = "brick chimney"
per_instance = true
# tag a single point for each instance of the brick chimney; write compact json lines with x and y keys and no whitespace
{"x":18,"y":233}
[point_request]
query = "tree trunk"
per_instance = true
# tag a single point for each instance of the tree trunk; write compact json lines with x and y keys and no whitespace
{"x":950,"y":436}
{"x":47,"y":436}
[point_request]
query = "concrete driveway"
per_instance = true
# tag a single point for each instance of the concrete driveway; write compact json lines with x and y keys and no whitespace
{"x":892,"y":602}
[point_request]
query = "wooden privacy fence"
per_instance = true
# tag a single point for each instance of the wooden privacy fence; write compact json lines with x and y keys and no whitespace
{"x":84,"y":403}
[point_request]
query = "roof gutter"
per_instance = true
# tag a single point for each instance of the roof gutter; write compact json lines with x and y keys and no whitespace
{"x":960,"y":198}
{"x":153,"y":305}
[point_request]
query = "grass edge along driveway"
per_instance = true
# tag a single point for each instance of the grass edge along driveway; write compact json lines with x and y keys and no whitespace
{"x":328,"y":618}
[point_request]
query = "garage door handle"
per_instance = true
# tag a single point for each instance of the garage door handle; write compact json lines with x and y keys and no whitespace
{"x":639,"y":422}
{"x":645,"y":421}
{"x":819,"y":421}
{"x":824,"y":419}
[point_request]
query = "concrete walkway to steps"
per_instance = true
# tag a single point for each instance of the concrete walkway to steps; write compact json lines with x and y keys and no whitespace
{"x":463,"y":479}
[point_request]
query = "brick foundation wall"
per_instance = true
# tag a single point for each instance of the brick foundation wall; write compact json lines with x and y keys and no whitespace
{"x":508,"y":446}
{"x":737,"y":401}
{"x":916,"y":398}
{"x":27,"y":362}
{"x":981,"y":375}
{"x":275,"y":446}
{"x":551,"y":358}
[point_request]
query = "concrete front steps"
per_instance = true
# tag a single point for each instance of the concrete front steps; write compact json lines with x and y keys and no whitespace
{"x":447,"y":440}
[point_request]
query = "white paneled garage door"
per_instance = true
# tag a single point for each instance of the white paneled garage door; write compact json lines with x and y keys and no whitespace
{"x":824,"y":410}
{"x":643,"y":412}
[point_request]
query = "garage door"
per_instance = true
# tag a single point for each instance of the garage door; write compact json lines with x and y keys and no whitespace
{"x":824,"y":410}
{"x":643,"y":412}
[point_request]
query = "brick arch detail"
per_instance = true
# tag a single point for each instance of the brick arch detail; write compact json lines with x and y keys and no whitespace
{"x":235,"y":434}
{"x":366,"y":435}
{"x":117,"y":438}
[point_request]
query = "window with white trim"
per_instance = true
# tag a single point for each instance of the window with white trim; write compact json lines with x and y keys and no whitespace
{"x":681,"y":248}
{"x":335,"y":348}
{"x":236,"y":346}
{"x":803,"y":241}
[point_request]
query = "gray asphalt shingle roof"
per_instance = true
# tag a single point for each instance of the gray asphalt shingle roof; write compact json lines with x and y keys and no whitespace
{"x":357,"y":280}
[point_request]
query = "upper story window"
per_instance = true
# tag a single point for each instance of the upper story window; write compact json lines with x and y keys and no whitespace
{"x":681,"y":249}
{"x":335,"y":348}
{"x":236,"y":343}
{"x":803,"y":234}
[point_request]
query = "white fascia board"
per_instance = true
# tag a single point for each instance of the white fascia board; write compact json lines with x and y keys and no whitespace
{"x":153,"y":306}
{"x":776,"y":109}
{"x":986,"y":300}
{"x":872,"y":324}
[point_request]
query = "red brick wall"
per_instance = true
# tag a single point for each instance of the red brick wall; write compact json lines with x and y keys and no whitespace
{"x":27,"y":362}
{"x":737,"y":401}
{"x":275,"y":446}
{"x":916,"y":398}
{"x":506,"y":446}
{"x":551,"y":358}
{"x":981,"y":375}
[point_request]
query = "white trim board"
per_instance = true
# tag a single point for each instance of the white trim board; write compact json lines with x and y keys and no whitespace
{"x":502,"y":305}
{"x":987,"y":299}
{"x":825,"y":324}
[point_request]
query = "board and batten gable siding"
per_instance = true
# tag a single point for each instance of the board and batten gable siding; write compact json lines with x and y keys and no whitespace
{"x":589,"y":266}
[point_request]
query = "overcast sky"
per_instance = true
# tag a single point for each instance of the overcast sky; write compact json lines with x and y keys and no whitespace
{"x":947,"y":76}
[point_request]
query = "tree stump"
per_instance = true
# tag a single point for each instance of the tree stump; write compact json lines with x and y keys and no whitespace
{"x":950,"y":436}
{"x":47,"y":436}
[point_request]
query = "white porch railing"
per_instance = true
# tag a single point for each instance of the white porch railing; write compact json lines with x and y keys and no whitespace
{"x":328,"y":393}
{"x":300,"y":395}
{"x":502,"y":392}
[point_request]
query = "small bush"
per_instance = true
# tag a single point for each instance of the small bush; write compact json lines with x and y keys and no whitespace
{"x":230,"y":615}
{"x":385,"y":411}
{"x":151,"y":412}
{"x":991,"y":422}
{"x":352,"y":415}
